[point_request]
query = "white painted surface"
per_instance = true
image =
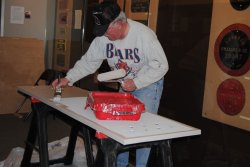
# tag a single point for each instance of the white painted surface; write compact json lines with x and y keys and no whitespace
{"x":150,"y":127}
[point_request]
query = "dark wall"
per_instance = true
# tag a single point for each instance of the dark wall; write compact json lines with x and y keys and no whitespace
{"x":0,"y":9}
{"x":183,"y":30}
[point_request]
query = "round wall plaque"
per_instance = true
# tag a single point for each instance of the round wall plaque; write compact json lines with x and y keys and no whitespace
{"x":240,"y":4}
{"x":231,"y":96}
{"x":232,"y":49}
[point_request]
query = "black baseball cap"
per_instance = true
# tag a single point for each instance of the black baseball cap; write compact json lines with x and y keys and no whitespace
{"x":104,"y":13}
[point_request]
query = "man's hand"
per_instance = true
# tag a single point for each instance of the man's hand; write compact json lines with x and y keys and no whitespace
{"x":128,"y":85}
{"x":63,"y":82}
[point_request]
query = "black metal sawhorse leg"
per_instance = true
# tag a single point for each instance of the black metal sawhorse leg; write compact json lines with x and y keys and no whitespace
{"x":76,"y":127}
{"x":109,"y":148}
{"x":163,"y":151}
{"x":107,"y":152}
{"x":88,"y":146}
{"x":30,"y":142}
{"x":166,"y":153}
{"x":38,"y":130}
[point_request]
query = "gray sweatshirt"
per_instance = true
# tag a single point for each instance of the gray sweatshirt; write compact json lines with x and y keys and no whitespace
{"x":140,"y":51}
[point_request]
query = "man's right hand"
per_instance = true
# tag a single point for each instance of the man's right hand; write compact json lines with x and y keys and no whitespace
{"x":63,"y":82}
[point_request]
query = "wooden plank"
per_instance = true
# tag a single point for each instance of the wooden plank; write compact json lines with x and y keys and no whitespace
{"x":125,"y":131}
{"x":22,"y":62}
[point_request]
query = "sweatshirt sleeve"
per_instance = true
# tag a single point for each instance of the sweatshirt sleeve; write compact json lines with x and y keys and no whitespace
{"x":156,"y":65}
{"x":88,"y":63}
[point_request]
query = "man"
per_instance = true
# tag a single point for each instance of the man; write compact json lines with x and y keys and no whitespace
{"x":124,"y":42}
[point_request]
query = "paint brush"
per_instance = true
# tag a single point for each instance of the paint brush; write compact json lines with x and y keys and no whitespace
{"x":58,"y":90}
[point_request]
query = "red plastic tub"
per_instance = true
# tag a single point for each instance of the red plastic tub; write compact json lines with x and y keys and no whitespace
{"x":115,"y":106}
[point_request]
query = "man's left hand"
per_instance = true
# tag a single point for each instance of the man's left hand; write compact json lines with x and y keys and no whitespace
{"x":128,"y":85}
